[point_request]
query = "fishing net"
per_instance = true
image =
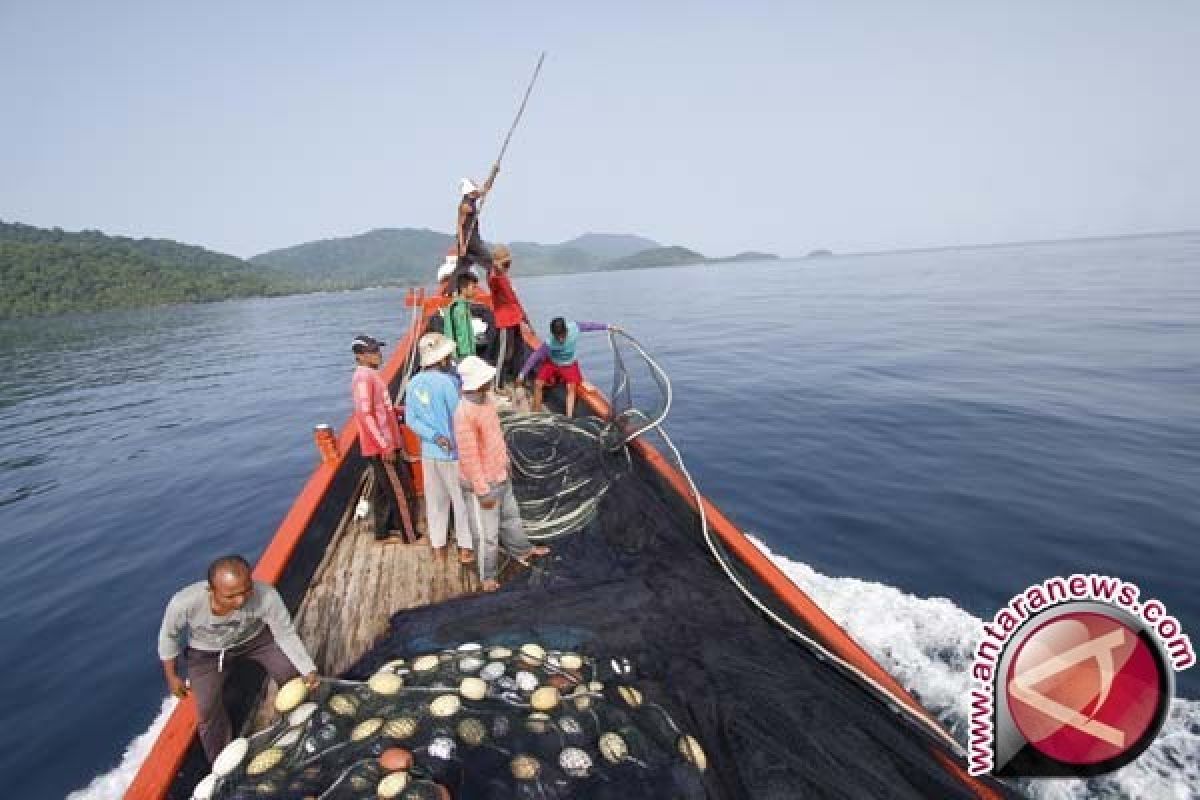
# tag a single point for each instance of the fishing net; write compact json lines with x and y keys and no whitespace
{"x":627,"y":665}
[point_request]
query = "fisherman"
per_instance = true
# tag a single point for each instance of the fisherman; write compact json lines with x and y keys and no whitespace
{"x":456,"y":318}
{"x":557,"y":359}
{"x":445,"y":270}
{"x":483,"y":470}
{"x":378,"y":435}
{"x":468,"y":240}
{"x":509,"y":313}
{"x":226,"y":619}
{"x":433,"y":394}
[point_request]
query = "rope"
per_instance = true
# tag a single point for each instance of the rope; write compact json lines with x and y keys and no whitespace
{"x":621,"y":385}
{"x":572,"y":493}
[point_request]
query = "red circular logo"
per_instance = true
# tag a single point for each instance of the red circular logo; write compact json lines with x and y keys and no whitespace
{"x":1084,"y":688}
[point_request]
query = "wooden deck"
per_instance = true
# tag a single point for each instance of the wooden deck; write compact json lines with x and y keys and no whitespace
{"x":357,"y":588}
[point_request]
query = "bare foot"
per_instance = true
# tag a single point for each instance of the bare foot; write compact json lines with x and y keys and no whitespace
{"x":490,"y":586}
{"x":466,"y":555}
{"x":539,"y":550}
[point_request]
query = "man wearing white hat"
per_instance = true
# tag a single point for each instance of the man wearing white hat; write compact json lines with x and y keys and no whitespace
{"x":483,"y":470}
{"x":469,"y":247}
{"x":429,"y":410}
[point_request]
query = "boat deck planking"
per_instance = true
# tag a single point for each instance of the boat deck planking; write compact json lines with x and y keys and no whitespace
{"x":357,"y":588}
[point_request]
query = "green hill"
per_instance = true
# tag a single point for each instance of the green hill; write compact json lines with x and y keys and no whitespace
{"x":50,"y":271}
{"x":657,"y":257}
{"x":411,"y":255}
{"x":386,"y":255}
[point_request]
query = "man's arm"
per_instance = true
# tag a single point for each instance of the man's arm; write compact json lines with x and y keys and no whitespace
{"x":276,"y":615}
{"x":535,"y":358}
{"x":414,"y":414}
{"x":170,"y":645}
{"x":464,"y":210}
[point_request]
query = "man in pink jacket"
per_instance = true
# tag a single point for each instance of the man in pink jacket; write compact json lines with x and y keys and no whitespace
{"x":378,"y":434}
{"x":483,"y":470}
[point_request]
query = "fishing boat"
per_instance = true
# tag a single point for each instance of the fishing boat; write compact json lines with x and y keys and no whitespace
{"x":657,"y":653}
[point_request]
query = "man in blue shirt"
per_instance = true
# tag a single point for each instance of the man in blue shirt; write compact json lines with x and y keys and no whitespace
{"x":431,"y":398}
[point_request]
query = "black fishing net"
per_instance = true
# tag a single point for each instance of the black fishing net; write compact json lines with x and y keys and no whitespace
{"x":626,"y":665}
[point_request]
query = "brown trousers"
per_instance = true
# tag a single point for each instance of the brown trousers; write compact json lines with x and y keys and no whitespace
{"x":216,"y":731}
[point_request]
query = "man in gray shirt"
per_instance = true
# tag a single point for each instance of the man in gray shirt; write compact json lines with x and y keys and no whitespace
{"x":227,"y":618}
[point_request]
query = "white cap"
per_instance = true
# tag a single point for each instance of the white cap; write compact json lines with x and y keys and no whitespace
{"x":446,"y":268}
{"x":467,"y":186}
{"x":475,"y":372}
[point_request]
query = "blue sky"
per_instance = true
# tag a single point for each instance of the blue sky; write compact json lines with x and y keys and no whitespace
{"x":781,"y":126}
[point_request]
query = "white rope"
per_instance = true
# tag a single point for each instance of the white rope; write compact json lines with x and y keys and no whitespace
{"x":664,"y":381}
{"x":821,"y":650}
{"x":574,"y":496}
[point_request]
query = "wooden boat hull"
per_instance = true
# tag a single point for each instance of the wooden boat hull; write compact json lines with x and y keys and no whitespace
{"x":303,"y":538}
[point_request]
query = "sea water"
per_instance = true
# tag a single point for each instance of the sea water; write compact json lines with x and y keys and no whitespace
{"x":914,"y":437}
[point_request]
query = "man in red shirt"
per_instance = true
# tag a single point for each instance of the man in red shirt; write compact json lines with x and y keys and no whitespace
{"x":509,"y":313}
{"x":378,"y":436}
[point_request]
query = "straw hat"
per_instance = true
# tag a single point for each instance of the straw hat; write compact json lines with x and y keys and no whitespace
{"x":475,"y":372}
{"x":500,"y":252}
{"x":434,"y":347}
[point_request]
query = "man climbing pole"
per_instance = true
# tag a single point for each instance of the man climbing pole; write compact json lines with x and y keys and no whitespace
{"x":468,"y":243}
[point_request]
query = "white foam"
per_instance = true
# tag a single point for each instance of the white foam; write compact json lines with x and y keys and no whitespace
{"x":112,"y":784}
{"x":926,"y":644}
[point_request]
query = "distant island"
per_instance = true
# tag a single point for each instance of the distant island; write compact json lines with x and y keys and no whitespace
{"x":51,"y":271}
{"x":819,"y":253}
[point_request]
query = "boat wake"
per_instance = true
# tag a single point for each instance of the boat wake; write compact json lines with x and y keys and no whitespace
{"x":111,"y":785}
{"x":926,"y":643}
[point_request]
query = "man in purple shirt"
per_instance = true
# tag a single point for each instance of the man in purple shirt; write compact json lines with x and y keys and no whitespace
{"x":557,"y":359}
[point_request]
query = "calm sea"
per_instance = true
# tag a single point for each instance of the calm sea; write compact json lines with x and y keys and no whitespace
{"x":894,"y":428}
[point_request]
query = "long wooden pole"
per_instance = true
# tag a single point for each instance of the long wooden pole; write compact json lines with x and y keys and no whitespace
{"x":504,"y":147}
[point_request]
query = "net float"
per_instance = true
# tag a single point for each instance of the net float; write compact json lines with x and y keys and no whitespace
{"x":385,"y":683}
{"x":264,"y":761}
{"x":545,"y":699}
{"x":291,"y":695}
{"x":366,"y":729}
{"x":396,"y":759}
{"x":230,"y":757}
{"x":473,"y":688}
{"x":392,"y":785}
